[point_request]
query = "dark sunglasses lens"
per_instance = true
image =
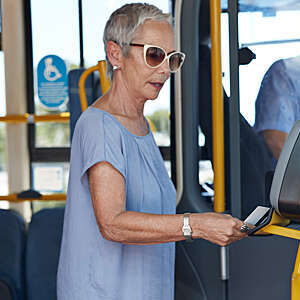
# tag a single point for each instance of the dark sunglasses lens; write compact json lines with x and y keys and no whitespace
{"x":176,"y":61}
{"x":154,"y":56}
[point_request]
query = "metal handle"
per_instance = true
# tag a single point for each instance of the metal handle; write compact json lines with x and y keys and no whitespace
{"x":105,"y":82}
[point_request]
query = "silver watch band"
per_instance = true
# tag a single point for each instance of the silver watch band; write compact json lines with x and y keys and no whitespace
{"x":186,"y":228}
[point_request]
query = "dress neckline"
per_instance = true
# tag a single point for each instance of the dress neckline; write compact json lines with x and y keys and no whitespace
{"x":121,"y":125}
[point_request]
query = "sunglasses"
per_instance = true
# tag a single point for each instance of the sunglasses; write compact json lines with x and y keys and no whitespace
{"x":155,"y":56}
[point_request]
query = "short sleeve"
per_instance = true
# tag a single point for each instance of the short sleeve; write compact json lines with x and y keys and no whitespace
{"x":276,"y":103}
{"x":100,"y":140}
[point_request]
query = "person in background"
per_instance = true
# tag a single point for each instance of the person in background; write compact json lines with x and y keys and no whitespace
{"x":278,"y":103}
{"x":120,"y":220}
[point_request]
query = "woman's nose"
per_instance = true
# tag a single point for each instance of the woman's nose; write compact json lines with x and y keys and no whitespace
{"x":165,"y":68}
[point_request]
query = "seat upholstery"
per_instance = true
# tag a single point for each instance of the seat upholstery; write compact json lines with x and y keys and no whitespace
{"x":12,"y":246}
{"x":92,"y":89}
{"x":42,"y":253}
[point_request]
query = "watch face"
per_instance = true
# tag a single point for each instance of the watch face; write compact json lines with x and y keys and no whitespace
{"x":186,"y":228}
{"x":187,"y":231}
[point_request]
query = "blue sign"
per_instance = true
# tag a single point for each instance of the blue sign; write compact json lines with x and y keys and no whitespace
{"x":52,"y":81}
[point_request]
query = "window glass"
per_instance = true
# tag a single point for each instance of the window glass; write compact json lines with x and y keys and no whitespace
{"x":270,"y":37}
{"x":49,"y":178}
{"x":268,"y":7}
{"x":269,"y":29}
{"x":52,"y":135}
{"x":55,"y":31}
{"x":206,"y":173}
{"x":3,"y":171}
{"x":224,"y":4}
{"x":225,"y":52}
{"x":2,"y":86}
{"x":95,"y":15}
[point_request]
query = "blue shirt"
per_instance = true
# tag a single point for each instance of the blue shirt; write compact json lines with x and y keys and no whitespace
{"x":91,"y":267}
{"x":278,"y":101}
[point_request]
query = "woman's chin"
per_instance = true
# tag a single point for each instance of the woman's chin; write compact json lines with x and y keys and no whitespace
{"x":153,"y":96}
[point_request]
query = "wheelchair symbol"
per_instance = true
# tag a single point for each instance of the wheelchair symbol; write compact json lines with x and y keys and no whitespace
{"x":51,"y":73}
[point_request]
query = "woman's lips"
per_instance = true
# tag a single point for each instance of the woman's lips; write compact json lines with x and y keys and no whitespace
{"x":157,"y":85}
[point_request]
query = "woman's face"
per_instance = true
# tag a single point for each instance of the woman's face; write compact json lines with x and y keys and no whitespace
{"x":145,"y":82}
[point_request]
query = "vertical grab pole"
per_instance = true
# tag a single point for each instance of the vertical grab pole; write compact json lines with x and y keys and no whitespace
{"x":218,"y":128}
{"x":296,"y":278}
{"x":105,"y":82}
{"x":217,"y":106}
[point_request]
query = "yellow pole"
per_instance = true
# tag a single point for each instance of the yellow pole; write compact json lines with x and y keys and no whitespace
{"x":105,"y":82}
{"x":296,"y":278}
{"x":217,"y":106}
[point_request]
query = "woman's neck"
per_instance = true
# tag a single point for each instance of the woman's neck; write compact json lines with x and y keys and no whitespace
{"x":120,"y":101}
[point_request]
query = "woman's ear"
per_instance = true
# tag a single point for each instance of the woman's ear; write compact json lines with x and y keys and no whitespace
{"x":114,"y":54}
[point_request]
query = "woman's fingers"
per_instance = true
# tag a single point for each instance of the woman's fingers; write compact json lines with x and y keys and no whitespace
{"x":217,"y":228}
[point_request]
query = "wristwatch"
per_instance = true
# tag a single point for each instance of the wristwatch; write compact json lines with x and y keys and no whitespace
{"x":186,"y":228}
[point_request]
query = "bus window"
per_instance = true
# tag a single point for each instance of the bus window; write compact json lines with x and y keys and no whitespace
{"x":54,"y":32}
{"x":271,"y":37}
{"x":3,"y":172}
{"x":50,"y":178}
{"x":54,"y":28}
{"x":225,"y":52}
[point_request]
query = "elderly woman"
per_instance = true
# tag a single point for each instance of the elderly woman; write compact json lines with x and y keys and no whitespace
{"x":120,"y":223}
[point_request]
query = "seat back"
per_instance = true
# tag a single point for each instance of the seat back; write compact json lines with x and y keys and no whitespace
{"x":12,"y":246}
{"x":42,"y":253}
{"x":92,"y":89}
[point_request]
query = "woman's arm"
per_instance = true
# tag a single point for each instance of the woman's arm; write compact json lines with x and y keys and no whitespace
{"x":108,"y":194}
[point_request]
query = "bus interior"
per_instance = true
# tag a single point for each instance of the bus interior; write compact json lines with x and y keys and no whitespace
{"x":35,"y":139}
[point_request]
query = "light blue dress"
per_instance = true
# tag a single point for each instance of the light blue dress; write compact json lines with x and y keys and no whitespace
{"x":91,"y":267}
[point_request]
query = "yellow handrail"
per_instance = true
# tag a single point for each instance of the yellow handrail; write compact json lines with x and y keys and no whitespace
{"x":217,"y":106}
{"x":276,"y":226}
{"x":295,"y":290}
{"x":105,"y":83}
{"x":32,"y":118}
{"x":52,"y":197}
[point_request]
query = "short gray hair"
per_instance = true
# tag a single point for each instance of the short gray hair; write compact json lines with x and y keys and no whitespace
{"x":124,"y":22}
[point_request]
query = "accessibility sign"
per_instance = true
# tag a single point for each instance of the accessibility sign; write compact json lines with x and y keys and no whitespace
{"x":52,"y":82}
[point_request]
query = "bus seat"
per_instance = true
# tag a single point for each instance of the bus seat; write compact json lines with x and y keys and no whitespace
{"x":42,"y":253}
{"x":12,"y":246}
{"x":93,"y":91}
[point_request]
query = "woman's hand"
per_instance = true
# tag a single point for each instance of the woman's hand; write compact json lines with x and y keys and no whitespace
{"x":217,"y":228}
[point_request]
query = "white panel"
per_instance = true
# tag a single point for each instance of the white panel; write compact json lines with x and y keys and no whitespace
{"x":15,"y":84}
